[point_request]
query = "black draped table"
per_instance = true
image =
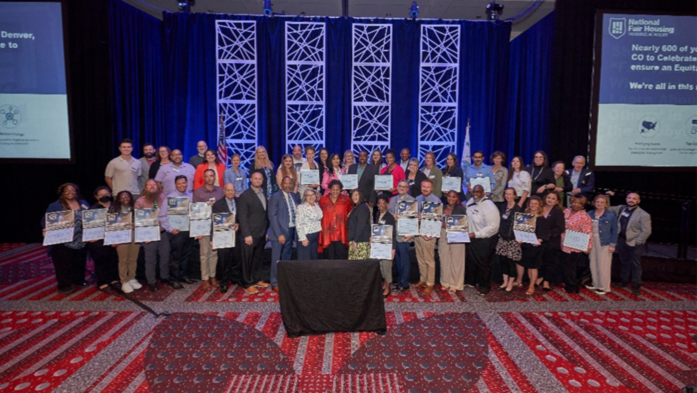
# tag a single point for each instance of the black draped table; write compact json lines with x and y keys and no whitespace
{"x":331,"y":296}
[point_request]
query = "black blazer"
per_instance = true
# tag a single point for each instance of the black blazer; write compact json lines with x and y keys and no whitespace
{"x":415,"y":189}
{"x":220,"y":206}
{"x":359,"y":224}
{"x":387,"y":219}
{"x":506,"y":225}
{"x":267,"y":182}
{"x":540,"y":177}
{"x":367,"y":182}
{"x":251,"y":215}
{"x":551,"y":228}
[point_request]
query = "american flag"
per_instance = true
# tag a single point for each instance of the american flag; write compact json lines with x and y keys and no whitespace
{"x":222,"y":146}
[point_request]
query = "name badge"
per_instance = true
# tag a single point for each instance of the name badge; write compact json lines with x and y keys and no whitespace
{"x":479,"y":175}
{"x":239,"y":178}
{"x":211,"y":199}
{"x":432,"y":177}
{"x":176,"y":169}
{"x":134,"y":169}
{"x":625,"y":214}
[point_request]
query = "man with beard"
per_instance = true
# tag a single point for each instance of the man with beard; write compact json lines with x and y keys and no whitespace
{"x":145,"y":162}
{"x":483,"y":221}
{"x":199,"y":158}
{"x":151,"y":197}
{"x":298,"y":158}
{"x":168,"y":172}
{"x":635,"y":229}
{"x":209,"y":193}
{"x":253,"y":221}
{"x":405,"y":155}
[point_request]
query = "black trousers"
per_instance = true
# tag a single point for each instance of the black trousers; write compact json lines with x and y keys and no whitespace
{"x":252,"y":261}
{"x":630,"y":262}
{"x":106,"y":262}
{"x":179,"y":250}
{"x":570,"y":264}
{"x":480,"y":253}
{"x":69,"y":265}
{"x":335,"y":250}
{"x":229,"y":268}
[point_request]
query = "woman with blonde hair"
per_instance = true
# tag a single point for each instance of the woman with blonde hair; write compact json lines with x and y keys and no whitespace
{"x":264,"y":166}
{"x":287,"y":169}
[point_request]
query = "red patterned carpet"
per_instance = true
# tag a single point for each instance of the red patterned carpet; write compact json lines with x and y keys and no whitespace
{"x":93,"y":341}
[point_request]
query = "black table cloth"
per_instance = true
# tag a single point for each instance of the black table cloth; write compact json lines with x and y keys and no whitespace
{"x":327,"y":296}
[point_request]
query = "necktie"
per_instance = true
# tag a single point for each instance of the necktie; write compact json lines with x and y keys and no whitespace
{"x":291,"y":205}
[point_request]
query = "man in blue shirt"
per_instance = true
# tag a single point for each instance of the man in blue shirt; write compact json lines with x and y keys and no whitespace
{"x":478,"y":170}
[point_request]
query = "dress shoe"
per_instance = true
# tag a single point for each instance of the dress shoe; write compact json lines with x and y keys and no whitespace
{"x":623,"y":284}
{"x":207,"y":286}
{"x":187,"y":280}
{"x":275,"y":289}
{"x":82,"y":284}
{"x":175,"y":285}
{"x":636,"y":291}
{"x":223,"y":288}
{"x":420,"y":284}
{"x":66,"y":290}
{"x":262,"y":284}
{"x":154,"y":287}
{"x":251,"y":290}
{"x":215,"y":282}
{"x":428,"y":290}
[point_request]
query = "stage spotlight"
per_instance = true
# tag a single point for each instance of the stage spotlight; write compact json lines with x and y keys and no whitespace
{"x":494,"y":11}
{"x":268,"y":7}
{"x":414,"y":11}
{"x":185,"y":5}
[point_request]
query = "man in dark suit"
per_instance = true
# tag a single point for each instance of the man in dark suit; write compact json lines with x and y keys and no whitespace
{"x":253,"y":221}
{"x":582,"y":179}
{"x":282,"y":207}
{"x":228,"y":268}
{"x":366,"y":177}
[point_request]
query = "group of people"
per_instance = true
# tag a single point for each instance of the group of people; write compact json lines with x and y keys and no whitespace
{"x":275,"y":205}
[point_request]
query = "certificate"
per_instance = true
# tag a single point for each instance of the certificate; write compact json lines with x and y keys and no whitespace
{"x":381,"y":234}
{"x":481,"y":181}
{"x":430,"y":228}
{"x":407,"y":209}
{"x":59,"y":236}
{"x":309,"y":176}
{"x":451,"y":184}
{"x":178,"y":205}
{"x":458,"y":237}
{"x":456,"y":223}
{"x":407,"y":226}
{"x":147,"y":234}
{"x":223,"y":239}
{"x":383,"y":182}
{"x":576,"y":240}
{"x":90,"y":234}
{"x":199,"y":228}
{"x":117,"y":237}
{"x":350,"y":182}
{"x":60,"y":227}
{"x":223,"y":233}
{"x":380,"y":251}
{"x":431,"y":211}
{"x":179,"y":222}
{"x":525,"y":237}
{"x":93,"y":223}
{"x":118,"y":229}
{"x":524,"y":228}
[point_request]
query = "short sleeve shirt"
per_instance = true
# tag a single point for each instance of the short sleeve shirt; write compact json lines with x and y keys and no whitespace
{"x":167,"y":173}
{"x":124,"y":175}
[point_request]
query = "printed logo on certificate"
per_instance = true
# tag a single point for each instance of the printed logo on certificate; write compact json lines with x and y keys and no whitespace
{"x":93,"y":223}
{"x":381,"y":242}
{"x":60,"y":227}
{"x":524,"y":228}
{"x":456,"y":228}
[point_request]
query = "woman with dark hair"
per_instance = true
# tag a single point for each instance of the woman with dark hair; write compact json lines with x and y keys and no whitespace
{"x":287,"y":169}
{"x":393,"y":169}
{"x":433,"y":173}
{"x":508,"y":249}
{"x":213,"y":163}
{"x":376,"y":159}
{"x":264,"y":166}
{"x":359,"y":227}
{"x":561,"y":181}
{"x":384,"y":217}
{"x":532,"y":253}
{"x":519,"y":179}
{"x":577,"y":220}
{"x":322,"y":163}
{"x":69,"y":259}
{"x":541,"y":175}
{"x":452,"y":169}
{"x":332,"y":172}
{"x":414,"y":177}
{"x":106,"y":261}
{"x":163,"y":153}
{"x":127,"y":252}
{"x":452,"y":255}
{"x":333,"y":239}
{"x":498,"y":166}
{"x":550,"y":271}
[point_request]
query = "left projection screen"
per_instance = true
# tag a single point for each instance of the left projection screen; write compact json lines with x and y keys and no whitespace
{"x":34,"y":123}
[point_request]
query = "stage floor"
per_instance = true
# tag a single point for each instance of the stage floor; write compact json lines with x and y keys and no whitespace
{"x":93,"y":341}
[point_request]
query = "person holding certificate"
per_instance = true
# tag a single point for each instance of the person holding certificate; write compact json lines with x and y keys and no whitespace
{"x":434,"y":174}
{"x":453,"y":170}
{"x":479,"y":173}
{"x":414,"y":177}
{"x":309,"y":164}
{"x":452,"y":255}
{"x":359,"y":227}
{"x":483,"y":224}
{"x":309,"y":224}
{"x":180,"y":243}
{"x":287,"y":169}
{"x":365,"y":173}
{"x":393,"y":169}
{"x":106,"y":262}
{"x":520,"y":180}
{"x":332,"y":172}
{"x":69,"y":259}
{"x":209,"y":193}
{"x":228,"y":269}
{"x":508,"y":249}
{"x":402,"y":242}
{"x":532,"y":253}
{"x":212,"y":163}
{"x":127,"y":252}
{"x":605,"y":230}
{"x":152,"y":198}
{"x":384,"y":217}
{"x":553,"y":217}
{"x":577,"y":220}
{"x":426,"y":245}
{"x":333,"y":239}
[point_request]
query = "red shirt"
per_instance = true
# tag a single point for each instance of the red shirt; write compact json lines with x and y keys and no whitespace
{"x":334,"y":221}
{"x":198,"y":176}
{"x":397,"y":175}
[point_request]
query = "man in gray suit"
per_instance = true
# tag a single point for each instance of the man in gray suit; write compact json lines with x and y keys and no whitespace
{"x":635,"y":229}
{"x":282,"y":206}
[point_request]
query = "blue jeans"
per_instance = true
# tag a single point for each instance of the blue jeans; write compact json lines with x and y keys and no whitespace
{"x":401,"y":258}
{"x":309,"y":253}
{"x":280,"y":252}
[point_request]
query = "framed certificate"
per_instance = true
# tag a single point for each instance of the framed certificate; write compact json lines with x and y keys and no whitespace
{"x":383,"y":182}
{"x":430,"y":228}
{"x":93,"y":223}
{"x":481,"y":181}
{"x":407,"y":226}
{"x":309,"y":176}
{"x":456,"y":223}
{"x":380,"y":251}
{"x":223,"y":239}
{"x":451,"y":184}
{"x":199,"y":228}
{"x":431,"y":211}
{"x":200,"y":211}
{"x":458,"y":237}
{"x":524,"y":228}
{"x":60,"y":227}
{"x":381,"y":242}
{"x":576,"y":240}
{"x":350,"y":182}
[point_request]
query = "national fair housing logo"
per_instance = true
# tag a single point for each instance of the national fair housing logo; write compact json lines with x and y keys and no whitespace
{"x":618,"y":27}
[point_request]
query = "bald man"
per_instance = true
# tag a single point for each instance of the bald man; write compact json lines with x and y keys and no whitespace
{"x":228,"y":268}
{"x":635,"y":229}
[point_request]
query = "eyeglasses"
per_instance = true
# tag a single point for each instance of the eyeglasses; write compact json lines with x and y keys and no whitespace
{"x":124,"y":197}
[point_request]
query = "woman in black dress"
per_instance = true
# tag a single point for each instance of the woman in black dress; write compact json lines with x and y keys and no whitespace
{"x":541,"y":174}
{"x":532,"y":253}
{"x":550,"y":271}
{"x":507,"y":249}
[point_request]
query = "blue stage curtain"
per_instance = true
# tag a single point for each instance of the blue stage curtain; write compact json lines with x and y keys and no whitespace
{"x":138,"y":100}
{"x":527,"y":110}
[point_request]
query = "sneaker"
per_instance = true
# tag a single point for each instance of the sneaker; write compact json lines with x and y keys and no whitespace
{"x":600,"y":292}
{"x":135,"y":284}
{"x":126,"y":287}
{"x":591,"y":287}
